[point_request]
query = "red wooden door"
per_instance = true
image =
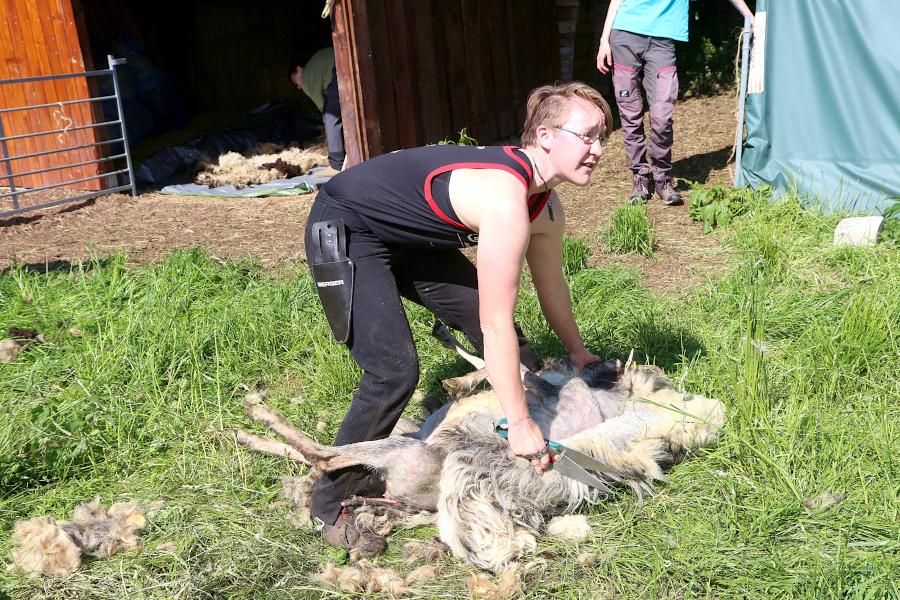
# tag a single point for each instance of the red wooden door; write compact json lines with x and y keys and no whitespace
{"x":39,"y":37}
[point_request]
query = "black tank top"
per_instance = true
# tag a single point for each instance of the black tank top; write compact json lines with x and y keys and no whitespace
{"x":403,"y":198}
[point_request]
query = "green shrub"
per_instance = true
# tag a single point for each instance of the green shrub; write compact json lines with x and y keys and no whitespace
{"x":706,"y":62}
{"x":630,"y":231}
{"x":890,"y":228}
{"x":718,"y":205}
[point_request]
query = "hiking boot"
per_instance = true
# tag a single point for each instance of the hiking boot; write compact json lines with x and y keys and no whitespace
{"x":345,"y":534}
{"x":665,"y":189}
{"x":640,"y":188}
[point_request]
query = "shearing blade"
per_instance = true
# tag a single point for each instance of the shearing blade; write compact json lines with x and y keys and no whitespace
{"x":566,"y":466}
{"x":590,"y":463}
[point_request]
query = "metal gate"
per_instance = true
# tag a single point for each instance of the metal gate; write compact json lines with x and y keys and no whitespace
{"x":116,"y":147}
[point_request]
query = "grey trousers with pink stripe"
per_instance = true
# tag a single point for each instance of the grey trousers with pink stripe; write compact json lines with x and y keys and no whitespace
{"x":645,"y":63}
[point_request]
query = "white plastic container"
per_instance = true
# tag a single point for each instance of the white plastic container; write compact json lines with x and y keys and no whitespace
{"x":857,"y":231}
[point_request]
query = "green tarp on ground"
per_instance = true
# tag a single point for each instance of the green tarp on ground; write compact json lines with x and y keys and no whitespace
{"x":827,"y":121}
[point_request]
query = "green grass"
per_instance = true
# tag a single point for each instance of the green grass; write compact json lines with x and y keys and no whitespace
{"x":630,"y":231}
{"x":890,"y":228}
{"x":575,"y":255}
{"x":799,"y":338}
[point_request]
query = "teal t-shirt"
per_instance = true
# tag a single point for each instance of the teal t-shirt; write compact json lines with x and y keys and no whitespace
{"x":658,"y":18}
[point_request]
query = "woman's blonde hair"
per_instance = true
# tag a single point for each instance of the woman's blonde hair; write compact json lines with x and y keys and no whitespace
{"x":550,"y":105}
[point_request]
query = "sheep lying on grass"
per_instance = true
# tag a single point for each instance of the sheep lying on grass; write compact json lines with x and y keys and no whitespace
{"x":490,"y":504}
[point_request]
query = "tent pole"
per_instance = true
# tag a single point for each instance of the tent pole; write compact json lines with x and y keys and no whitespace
{"x":739,"y":137}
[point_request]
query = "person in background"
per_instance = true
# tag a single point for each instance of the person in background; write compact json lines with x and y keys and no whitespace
{"x":314,"y":74}
{"x":638,"y":44}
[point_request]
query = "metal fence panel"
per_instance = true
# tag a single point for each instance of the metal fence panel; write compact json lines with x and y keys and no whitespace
{"x":114,"y":127}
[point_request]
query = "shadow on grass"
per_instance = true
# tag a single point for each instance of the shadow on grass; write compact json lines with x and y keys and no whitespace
{"x":660,"y":343}
{"x":699,"y":166}
{"x":666,"y":346}
{"x":55,"y":266}
{"x":23,"y":474}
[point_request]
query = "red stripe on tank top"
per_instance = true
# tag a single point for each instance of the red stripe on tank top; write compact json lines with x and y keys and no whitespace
{"x":525,"y":165}
{"x":429,"y":197}
{"x":535,"y":200}
{"x":535,"y":209}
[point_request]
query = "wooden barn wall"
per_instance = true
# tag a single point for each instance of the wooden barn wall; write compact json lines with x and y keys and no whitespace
{"x":422,"y":71}
{"x":39,"y":37}
{"x":590,"y":17}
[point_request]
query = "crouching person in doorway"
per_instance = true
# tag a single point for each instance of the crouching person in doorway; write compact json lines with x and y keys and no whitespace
{"x":392,"y":227}
{"x":314,"y":75}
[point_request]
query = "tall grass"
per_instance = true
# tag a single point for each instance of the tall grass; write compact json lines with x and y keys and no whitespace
{"x":575,"y":255}
{"x":799,"y":338}
{"x":629,"y":231}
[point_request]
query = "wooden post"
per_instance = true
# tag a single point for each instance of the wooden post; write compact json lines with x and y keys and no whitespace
{"x":354,"y":65}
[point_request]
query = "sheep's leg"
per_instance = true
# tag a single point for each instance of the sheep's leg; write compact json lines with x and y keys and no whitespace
{"x":379,"y":454}
{"x":363,"y":501}
{"x":267,"y":446}
{"x":448,"y":340}
{"x":275,"y":421}
{"x":408,"y":465}
{"x":464,"y":384}
{"x":325,"y":458}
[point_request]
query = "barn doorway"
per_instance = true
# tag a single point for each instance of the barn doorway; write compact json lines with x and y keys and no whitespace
{"x":202,"y":66}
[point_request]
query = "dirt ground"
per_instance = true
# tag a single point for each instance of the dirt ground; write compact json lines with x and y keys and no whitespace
{"x":271,"y":229}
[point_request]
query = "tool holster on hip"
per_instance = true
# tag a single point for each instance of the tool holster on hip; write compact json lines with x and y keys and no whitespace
{"x":333,"y":274}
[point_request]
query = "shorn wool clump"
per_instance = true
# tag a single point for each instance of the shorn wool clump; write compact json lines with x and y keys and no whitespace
{"x":46,"y":546}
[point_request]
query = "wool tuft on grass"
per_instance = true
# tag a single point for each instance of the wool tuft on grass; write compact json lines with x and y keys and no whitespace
{"x":298,"y":490}
{"x":9,"y":349}
{"x":44,"y":548}
{"x":50,"y":547}
{"x":363,"y":576}
{"x":484,"y":587}
{"x":569,"y":527}
{"x":430,"y":551}
{"x":423,"y":573}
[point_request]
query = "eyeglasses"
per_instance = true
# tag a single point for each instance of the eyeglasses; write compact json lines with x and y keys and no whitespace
{"x":587,"y":139}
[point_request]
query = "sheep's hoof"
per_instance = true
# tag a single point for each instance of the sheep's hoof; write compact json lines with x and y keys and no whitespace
{"x":360,"y":542}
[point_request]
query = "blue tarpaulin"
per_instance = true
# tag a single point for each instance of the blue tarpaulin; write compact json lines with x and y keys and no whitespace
{"x":304,"y":184}
{"x":824,"y":118}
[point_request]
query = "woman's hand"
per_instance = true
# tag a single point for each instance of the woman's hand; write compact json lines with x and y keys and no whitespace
{"x":604,"y":56}
{"x":525,"y":438}
{"x":583,"y":358}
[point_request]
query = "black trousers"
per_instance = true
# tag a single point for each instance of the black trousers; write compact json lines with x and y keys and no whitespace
{"x":443,"y":281}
